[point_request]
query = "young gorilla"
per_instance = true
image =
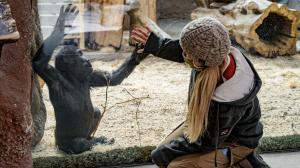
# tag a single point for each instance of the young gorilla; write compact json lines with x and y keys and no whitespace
{"x":69,"y":88}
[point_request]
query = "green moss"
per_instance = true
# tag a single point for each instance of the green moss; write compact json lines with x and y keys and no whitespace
{"x":114,"y":157}
{"x":279,"y":144}
{"x":138,"y":155}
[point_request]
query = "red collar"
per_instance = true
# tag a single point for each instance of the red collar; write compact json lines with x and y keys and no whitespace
{"x":230,"y":70}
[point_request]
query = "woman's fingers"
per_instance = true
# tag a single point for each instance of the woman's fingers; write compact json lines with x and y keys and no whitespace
{"x":143,"y":31}
{"x":137,"y":39}
{"x":139,"y":35}
{"x":148,"y":28}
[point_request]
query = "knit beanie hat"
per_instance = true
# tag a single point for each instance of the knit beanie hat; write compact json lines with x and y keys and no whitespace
{"x":206,"y":39}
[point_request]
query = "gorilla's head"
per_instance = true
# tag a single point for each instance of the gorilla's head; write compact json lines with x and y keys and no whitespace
{"x":70,"y":62}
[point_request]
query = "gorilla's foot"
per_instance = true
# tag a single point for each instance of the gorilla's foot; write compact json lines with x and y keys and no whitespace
{"x":76,"y":146}
{"x":79,"y":145}
{"x":104,"y":140}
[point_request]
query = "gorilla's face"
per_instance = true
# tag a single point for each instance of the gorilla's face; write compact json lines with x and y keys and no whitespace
{"x":71,"y":62}
{"x":82,"y":67}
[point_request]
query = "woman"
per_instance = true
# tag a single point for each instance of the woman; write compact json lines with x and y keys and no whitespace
{"x":222,"y":126}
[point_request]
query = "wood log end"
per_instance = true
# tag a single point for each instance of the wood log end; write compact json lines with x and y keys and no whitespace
{"x":274,"y":33}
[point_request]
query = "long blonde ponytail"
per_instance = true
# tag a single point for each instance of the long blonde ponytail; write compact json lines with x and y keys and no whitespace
{"x":197,"y":117}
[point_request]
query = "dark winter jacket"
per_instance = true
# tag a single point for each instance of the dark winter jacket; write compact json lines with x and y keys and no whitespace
{"x":230,"y":122}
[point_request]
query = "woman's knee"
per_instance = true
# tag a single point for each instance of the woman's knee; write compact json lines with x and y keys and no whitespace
{"x":159,"y":157}
{"x":177,"y":164}
{"x":184,"y":161}
{"x":156,"y":155}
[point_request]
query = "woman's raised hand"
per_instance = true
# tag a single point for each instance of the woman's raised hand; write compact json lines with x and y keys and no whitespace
{"x":140,"y":35}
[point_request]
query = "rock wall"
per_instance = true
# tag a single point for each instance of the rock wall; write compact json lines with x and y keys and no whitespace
{"x":38,"y":109}
{"x":15,"y":91}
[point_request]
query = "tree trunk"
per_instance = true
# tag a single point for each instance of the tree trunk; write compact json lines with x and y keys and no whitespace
{"x":15,"y":91}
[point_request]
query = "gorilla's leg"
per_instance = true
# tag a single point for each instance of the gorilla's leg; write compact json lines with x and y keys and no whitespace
{"x":102,"y":139}
{"x":96,"y":120}
{"x":79,"y":145}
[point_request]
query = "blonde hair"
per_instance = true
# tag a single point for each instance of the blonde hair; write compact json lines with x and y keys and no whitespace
{"x":198,"y":108}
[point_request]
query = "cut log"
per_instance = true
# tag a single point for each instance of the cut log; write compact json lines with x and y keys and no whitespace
{"x":212,"y":3}
{"x":201,"y":3}
{"x":144,"y":9}
{"x":259,"y":26}
{"x":139,"y":19}
{"x":112,"y":16}
{"x":297,"y":14}
{"x":81,"y":35}
{"x":149,"y":8}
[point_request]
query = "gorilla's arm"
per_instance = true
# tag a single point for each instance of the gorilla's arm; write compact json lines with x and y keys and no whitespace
{"x":103,"y":78}
{"x":40,"y":62}
{"x":47,"y":72}
{"x":43,"y":56}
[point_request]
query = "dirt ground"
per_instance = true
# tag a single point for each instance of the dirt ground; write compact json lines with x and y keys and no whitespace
{"x":161,"y":88}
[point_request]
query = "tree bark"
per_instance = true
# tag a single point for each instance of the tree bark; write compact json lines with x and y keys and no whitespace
{"x":15,"y":91}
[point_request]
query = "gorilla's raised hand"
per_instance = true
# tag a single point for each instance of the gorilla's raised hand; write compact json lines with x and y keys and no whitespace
{"x":67,"y":15}
{"x":65,"y":19}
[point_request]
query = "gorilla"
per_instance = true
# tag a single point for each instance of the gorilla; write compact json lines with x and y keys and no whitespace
{"x":69,"y":84}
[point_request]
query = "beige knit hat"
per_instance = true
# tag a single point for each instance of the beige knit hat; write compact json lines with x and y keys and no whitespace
{"x":206,"y":39}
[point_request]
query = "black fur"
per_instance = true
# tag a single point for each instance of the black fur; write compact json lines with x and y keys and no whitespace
{"x":69,"y":89}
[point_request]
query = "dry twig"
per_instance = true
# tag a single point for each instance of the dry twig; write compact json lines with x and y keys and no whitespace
{"x":137,"y":100}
